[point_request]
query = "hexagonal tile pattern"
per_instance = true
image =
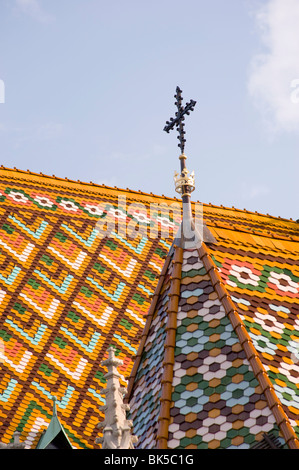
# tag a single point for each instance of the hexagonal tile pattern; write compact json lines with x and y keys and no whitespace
{"x":216,"y":387}
{"x":145,"y":403}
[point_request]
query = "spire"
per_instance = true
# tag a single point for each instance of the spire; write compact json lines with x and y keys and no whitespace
{"x":185,"y":184}
{"x":117,"y":429}
{"x":197,"y":381}
{"x":189,"y":234}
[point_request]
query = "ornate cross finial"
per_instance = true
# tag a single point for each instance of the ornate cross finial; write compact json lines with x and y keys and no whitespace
{"x":178,"y":121}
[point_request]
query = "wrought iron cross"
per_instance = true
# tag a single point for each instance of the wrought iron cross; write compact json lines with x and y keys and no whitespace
{"x":178,"y":121}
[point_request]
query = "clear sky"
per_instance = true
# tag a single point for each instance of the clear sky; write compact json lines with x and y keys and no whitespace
{"x":87,"y":85}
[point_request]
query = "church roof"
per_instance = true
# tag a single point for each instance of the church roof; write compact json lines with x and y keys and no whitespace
{"x":67,"y":294}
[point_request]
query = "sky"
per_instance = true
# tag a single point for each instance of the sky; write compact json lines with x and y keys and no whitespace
{"x":86,"y":87}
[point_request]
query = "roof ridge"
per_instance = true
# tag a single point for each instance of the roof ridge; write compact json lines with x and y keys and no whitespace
{"x":68,"y":180}
{"x":135,"y":191}
{"x":251,"y":353}
{"x":257,"y":233}
{"x":247,"y":211}
{"x":169,"y":345}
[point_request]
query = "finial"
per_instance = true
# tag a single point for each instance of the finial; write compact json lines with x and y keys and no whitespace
{"x":54,"y":399}
{"x":192,"y":230}
{"x":184,"y":183}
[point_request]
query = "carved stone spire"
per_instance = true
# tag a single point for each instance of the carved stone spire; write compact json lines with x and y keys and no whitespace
{"x":116,"y":428}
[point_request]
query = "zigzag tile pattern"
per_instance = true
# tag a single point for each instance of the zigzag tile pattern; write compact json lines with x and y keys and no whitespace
{"x":66,"y":294}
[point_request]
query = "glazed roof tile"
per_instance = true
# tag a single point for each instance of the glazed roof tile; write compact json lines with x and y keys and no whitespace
{"x":205,"y":368}
{"x":67,"y":294}
{"x":254,"y":270}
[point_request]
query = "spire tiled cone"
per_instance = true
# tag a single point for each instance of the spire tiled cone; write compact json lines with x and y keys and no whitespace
{"x":214,"y":390}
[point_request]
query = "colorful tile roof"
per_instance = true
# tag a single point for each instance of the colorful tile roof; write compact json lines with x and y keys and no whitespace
{"x":67,"y":293}
{"x":227,"y":352}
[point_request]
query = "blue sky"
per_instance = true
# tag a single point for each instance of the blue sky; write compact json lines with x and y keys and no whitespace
{"x":89,"y":85}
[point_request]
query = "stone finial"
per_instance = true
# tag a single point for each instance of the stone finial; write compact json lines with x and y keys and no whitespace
{"x":16,"y":444}
{"x":116,"y":428}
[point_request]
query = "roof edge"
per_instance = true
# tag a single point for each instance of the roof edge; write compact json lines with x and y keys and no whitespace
{"x":64,"y":182}
{"x":169,"y":345}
